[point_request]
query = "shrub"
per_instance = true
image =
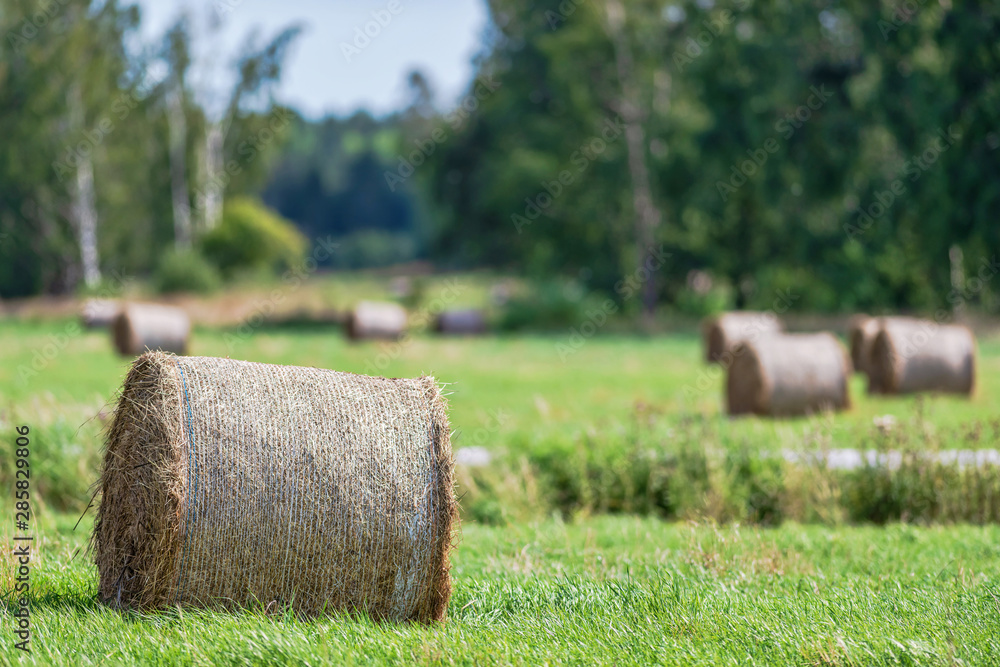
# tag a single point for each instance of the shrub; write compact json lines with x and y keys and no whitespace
{"x":718,"y":297}
{"x":185,"y":271}
{"x":252,"y":238}
{"x":373,"y":248}
{"x":548,"y":306}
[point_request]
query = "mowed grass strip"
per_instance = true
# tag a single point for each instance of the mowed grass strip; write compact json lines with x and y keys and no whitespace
{"x":608,"y":590}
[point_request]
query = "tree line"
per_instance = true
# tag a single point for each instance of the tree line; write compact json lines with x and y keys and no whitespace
{"x":844,"y":150}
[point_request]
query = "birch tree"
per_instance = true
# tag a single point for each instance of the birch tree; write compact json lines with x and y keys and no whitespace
{"x":177,"y":55}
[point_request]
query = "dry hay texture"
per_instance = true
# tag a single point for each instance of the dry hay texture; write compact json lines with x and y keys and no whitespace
{"x":724,"y":332}
{"x":148,"y":326}
{"x":910,"y":356}
{"x":461,"y":322}
{"x":376,"y":319}
{"x":788,"y":374}
{"x":235,"y":483}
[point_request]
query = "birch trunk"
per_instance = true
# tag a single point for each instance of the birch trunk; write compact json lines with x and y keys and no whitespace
{"x":84,"y":209}
{"x":647,"y":215}
{"x":178,"y":177}
{"x":85,"y":212}
{"x":213,"y":186}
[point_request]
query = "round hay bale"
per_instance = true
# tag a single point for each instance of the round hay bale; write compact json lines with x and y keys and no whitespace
{"x":910,"y":356}
{"x":861,"y":331}
{"x":464,"y":322}
{"x":724,"y":332}
{"x":99,"y":313}
{"x":376,"y":319}
{"x":231,"y":483}
{"x":788,"y":374}
{"x":867,"y":351}
{"x":146,"y":326}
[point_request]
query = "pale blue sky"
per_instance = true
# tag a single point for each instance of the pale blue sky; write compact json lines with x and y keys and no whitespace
{"x":440,"y":37}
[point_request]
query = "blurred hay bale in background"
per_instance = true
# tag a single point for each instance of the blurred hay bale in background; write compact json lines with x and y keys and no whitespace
{"x":376,"y":319}
{"x":788,"y":374}
{"x":468,"y":321}
{"x":98,"y":313}
{"x":861,"y":332}
{"x":722,"y":333}
{"x":910,"y":356}
{"x":866,"y":344}
{"x":236,"y":483}
{"x":146,"y":326}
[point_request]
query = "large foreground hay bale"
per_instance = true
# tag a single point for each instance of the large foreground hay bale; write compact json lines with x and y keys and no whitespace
{"x":236,"y":483}
{"x":788,"y":374}
{"x":464,"y":322}
{"x":376,"y":319}
{"x":147,"y":326}
{"x":98,"y":313}
{"x":724,"y":332}
{"x":911,"y":356}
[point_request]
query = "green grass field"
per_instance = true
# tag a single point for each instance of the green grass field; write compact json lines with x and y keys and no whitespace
{"x":607,"y":590}
{"x":545,"y":586}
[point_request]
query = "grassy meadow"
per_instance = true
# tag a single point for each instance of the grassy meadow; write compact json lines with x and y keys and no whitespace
{"x":565,"y":556}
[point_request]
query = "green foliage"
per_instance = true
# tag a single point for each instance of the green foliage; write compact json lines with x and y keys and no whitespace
{"x":185,"y":271}
{"x":717,"y":298}
{"x":251,"y":238}
{"x":373,"y":248}
{"x":546,"y":306}
{"x":776,"y":134}
{"x":695,"y":470}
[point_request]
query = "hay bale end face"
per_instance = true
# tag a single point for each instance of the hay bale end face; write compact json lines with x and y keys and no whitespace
{"x":466,"y":322}
{"x":787,"y":375}
{"x":229,"y":483}
{"x":146,"y":326}
{"x":911,"y":356}
{"x":724,"y":332}
{"x":861,"y":332}
{"x":375,"y":319}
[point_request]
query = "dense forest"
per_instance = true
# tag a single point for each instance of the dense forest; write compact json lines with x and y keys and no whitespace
{"x":846,"y":150}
